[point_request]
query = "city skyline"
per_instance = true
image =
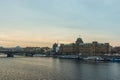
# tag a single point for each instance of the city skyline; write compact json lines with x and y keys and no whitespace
{"x":43,"y":22}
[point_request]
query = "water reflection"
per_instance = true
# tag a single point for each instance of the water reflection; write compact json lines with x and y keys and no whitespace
{"x":56,"y":69}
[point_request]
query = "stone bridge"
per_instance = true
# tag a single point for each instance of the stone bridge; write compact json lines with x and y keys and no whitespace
{"x":11,"y":53}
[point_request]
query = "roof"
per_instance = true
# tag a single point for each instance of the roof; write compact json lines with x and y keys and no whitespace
{"x":79,"y":40}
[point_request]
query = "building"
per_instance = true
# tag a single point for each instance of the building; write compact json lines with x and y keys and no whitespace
{"x":55,"y":48}
{"x":86,"y":49}
{"x":31,"y":49}
{"x":45,"y":50}
{"x":116,"y":50}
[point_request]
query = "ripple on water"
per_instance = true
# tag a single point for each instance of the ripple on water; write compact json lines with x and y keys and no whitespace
{"x":56,"y":69}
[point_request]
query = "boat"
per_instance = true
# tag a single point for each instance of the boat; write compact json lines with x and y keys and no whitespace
{"x":115,"y":59}
{"x":68,"y":56}
{"x":39,"y":55}
{"x":93,"y":58}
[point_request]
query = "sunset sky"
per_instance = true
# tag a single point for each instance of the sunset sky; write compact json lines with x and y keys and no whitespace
{"x":43,"y":22}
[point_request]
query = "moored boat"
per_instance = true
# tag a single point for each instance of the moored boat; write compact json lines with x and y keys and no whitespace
{"x":68,"y":56}
{"x":115,"y":59}
{"x":93,"y":58}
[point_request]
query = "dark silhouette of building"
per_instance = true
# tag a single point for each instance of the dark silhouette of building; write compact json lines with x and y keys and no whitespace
{"x":55,"y":48}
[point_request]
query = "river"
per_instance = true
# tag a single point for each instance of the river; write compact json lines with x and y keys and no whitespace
{"x":43,"y":68}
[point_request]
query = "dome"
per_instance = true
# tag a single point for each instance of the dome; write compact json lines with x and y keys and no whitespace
{"x":79,"y":40}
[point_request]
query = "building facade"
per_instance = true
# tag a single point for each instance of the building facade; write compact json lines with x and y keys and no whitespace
{"x":87,"y":49}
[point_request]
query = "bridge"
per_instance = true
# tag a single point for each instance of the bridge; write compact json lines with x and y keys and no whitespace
{"x":10,"y":52}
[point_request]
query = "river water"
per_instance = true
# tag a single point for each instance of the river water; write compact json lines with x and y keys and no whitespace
{"x":39,"y":68}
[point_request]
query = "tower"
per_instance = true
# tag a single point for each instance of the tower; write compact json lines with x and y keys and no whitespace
{"x":79,"y":41}
{"x":55,"y":48}
{"x":77,"y":46}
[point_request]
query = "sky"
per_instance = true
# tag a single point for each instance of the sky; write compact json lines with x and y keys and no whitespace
{"x":44,"y":22}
